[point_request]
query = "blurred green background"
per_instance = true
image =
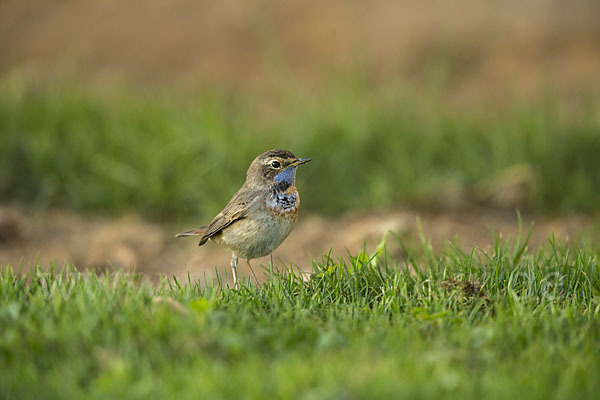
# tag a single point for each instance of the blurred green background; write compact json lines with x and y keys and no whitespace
{"x":115,"y":108}
{"x":183,"y":158}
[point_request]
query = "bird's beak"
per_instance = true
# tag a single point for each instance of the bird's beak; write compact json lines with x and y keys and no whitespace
{"x":299,"y":161}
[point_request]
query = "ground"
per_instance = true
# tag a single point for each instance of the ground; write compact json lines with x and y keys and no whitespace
{"x":130,"y":242}
{"x":486,"y":50}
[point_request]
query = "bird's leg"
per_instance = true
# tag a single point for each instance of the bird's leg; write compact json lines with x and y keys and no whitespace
{"x":234,"y":260}
{"x":251,"y":270}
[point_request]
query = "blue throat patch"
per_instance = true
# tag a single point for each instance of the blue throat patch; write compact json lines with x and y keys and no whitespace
{"x":285,"y":178}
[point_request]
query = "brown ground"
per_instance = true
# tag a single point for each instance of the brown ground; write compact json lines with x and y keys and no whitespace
{"x":124,"y":242}
{"x":481,"y":49}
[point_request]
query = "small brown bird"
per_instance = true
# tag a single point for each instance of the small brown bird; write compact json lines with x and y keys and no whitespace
{"x":261,"y":214}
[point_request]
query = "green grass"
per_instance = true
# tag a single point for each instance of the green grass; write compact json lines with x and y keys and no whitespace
{"x":176,"y":158}
{"x":363,"y":327}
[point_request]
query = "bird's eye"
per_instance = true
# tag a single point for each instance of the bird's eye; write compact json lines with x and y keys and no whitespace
{"x":275,"y":164}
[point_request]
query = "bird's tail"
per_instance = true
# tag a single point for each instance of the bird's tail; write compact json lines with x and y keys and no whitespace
{"x":193,"y":232}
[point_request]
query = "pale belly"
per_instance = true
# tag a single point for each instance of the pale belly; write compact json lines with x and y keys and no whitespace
{"x":257,"y":236}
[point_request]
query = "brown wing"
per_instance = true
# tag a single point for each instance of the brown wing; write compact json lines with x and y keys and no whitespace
{"x":234,"y":211}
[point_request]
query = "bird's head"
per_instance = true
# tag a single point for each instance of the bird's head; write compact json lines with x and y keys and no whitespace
{"x":274,"y":167}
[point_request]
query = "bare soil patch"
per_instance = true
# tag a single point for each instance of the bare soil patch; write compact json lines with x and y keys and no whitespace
{"x":129,"y":243}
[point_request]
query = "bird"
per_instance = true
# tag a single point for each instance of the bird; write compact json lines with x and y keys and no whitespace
{"x":261,"y":214}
